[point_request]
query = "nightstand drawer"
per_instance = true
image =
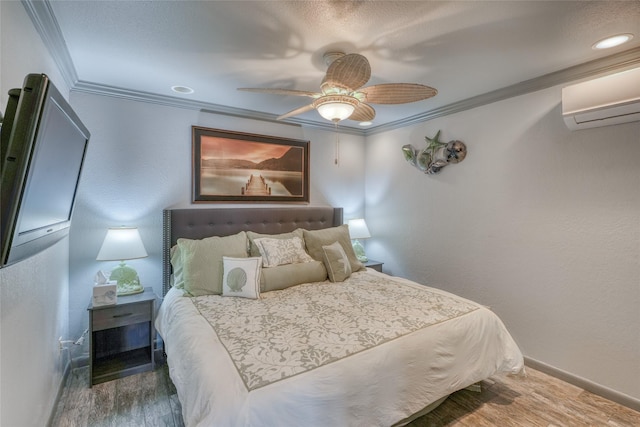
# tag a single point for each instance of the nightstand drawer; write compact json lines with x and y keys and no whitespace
{"x":117,"y":316}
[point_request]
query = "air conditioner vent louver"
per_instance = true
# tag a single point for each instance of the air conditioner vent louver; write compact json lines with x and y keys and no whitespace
{"x":604,"y":101}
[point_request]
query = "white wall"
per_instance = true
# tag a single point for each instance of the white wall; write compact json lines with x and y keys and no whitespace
{"x":139,"y":163}
{"x":538,"y":222}
{"x":35,"y":312}
{"x":34,"y":305}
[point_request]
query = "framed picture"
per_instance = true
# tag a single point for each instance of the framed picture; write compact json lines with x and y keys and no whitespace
{"x":242,"y":167}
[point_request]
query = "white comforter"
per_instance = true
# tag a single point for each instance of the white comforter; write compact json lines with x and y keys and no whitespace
{"x":412,"y":363}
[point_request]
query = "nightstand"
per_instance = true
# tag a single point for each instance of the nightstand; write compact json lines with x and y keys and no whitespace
{"x":122,"y":337}
{"x":376,"y":265}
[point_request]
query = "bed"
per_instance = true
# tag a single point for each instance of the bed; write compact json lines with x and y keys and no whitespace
{"x":357,"y":348}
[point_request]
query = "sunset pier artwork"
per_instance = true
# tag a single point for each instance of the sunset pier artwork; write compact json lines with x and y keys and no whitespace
{"x":256,"y":186}
{"x":232,"y":166}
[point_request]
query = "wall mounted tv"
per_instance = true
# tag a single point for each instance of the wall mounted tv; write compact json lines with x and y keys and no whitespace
{"x":42,"y":149}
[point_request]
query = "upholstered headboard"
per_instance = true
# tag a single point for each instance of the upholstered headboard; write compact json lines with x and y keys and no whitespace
{"x":199,"y":223}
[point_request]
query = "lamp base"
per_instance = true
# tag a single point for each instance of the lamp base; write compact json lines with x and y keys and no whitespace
{"x":128,"y":289}
{"x":127,"y":280}
{"x":359,"y":250}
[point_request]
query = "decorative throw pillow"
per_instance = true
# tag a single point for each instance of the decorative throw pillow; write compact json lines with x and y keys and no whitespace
{"x":202,"y":261}
{"x":177,"y":280}
{"x":336,"y":261}
{"x":316,"y":239}
{"x":252,"y":236}
{"x":282,"y":251}
{"x":241,"y":277}
{"x":284,"y":276}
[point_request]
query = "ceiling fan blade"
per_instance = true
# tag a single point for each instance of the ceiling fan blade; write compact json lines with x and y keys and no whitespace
{"x":363,"y":113}
{"x":296,"y":111}
{"x":276,"y":91}
{"x":397,"y":93}
{"x":347,"y":72}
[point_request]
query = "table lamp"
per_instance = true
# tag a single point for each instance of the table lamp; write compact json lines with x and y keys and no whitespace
{"x":120,"y":244}
{"x":358,"y":230}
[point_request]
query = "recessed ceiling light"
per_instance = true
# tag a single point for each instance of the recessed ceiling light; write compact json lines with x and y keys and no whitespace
{"x":182,"y":89}
{"x":613,"y":41}
{"x":365,"y":123}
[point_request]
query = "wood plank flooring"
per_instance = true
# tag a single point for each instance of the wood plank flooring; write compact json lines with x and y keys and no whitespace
{"x":535,"y":400}
{"x":147,"y":399}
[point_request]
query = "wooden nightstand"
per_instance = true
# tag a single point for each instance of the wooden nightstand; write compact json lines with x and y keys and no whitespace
{"x":122,"y":337}
{"x":376,"y":265}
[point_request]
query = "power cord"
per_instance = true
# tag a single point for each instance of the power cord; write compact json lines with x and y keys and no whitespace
{"x":62,"y":345}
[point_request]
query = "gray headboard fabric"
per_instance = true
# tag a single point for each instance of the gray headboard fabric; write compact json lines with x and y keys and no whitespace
{"x":199,"y":223}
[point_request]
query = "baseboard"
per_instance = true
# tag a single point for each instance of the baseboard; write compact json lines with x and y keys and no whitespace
{"x":65,"y":376}
{"x":600,"y":390}
{"x":81,"y":361}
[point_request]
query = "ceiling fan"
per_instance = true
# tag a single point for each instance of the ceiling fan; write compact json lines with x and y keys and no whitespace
{"x":341,"y":93}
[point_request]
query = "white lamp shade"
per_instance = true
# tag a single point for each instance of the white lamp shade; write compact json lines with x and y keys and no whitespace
{"x":358,"y":229}
{"x":121,"y":243}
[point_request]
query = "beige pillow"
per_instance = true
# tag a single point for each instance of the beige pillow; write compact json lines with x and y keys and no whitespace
{"x":252,"y":235}
{"x":284,"y":276}
{"x":316,"y":239}
{"x":336,"y":262}
{"x":277,"y":252}
{"x":241,"y":277}
{"x":202,"y":261}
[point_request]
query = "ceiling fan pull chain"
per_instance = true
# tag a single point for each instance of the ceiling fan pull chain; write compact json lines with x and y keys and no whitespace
{"x":337,"y":153}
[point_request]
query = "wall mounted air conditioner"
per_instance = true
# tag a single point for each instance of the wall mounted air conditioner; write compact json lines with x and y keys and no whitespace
{"x":604,"y":101}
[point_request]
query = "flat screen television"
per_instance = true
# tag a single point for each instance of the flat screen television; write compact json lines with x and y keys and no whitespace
{"x":42,"y":149}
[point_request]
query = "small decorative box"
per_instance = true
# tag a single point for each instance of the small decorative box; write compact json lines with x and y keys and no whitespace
{"x":105,"y":294}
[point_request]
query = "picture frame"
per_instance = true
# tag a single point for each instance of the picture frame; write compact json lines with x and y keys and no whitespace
{"x":241,"y":167}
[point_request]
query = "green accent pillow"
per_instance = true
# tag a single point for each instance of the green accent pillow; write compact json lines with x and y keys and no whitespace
{"x":336,"y":261}
{"x":177,"y":280}
{"x":284,"y":276}
{"x":202,"y":261}
{"x":316,"y":239}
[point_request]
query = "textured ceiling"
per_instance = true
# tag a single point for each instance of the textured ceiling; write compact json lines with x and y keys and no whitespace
{"x":461,"y":48}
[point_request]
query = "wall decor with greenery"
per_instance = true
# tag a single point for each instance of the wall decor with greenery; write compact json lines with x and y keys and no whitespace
{"x":436,"y":155}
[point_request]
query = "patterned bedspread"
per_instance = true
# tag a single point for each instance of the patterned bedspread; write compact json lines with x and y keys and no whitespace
{"x":301,"y":328}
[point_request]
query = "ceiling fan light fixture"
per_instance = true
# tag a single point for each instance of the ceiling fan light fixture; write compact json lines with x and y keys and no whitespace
{"x":336,"y":107}
{"x":335,"y":111}
{"x":343,"y":95}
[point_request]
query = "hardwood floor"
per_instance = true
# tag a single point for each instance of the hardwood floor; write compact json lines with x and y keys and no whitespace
{"x":150,"y":399}
{"x":147,"y":399}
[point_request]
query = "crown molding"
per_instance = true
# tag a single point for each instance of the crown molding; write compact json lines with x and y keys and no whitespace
{"x":609,"y":64}
{"x":205,"y":107}
{"x":47,"y":26}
